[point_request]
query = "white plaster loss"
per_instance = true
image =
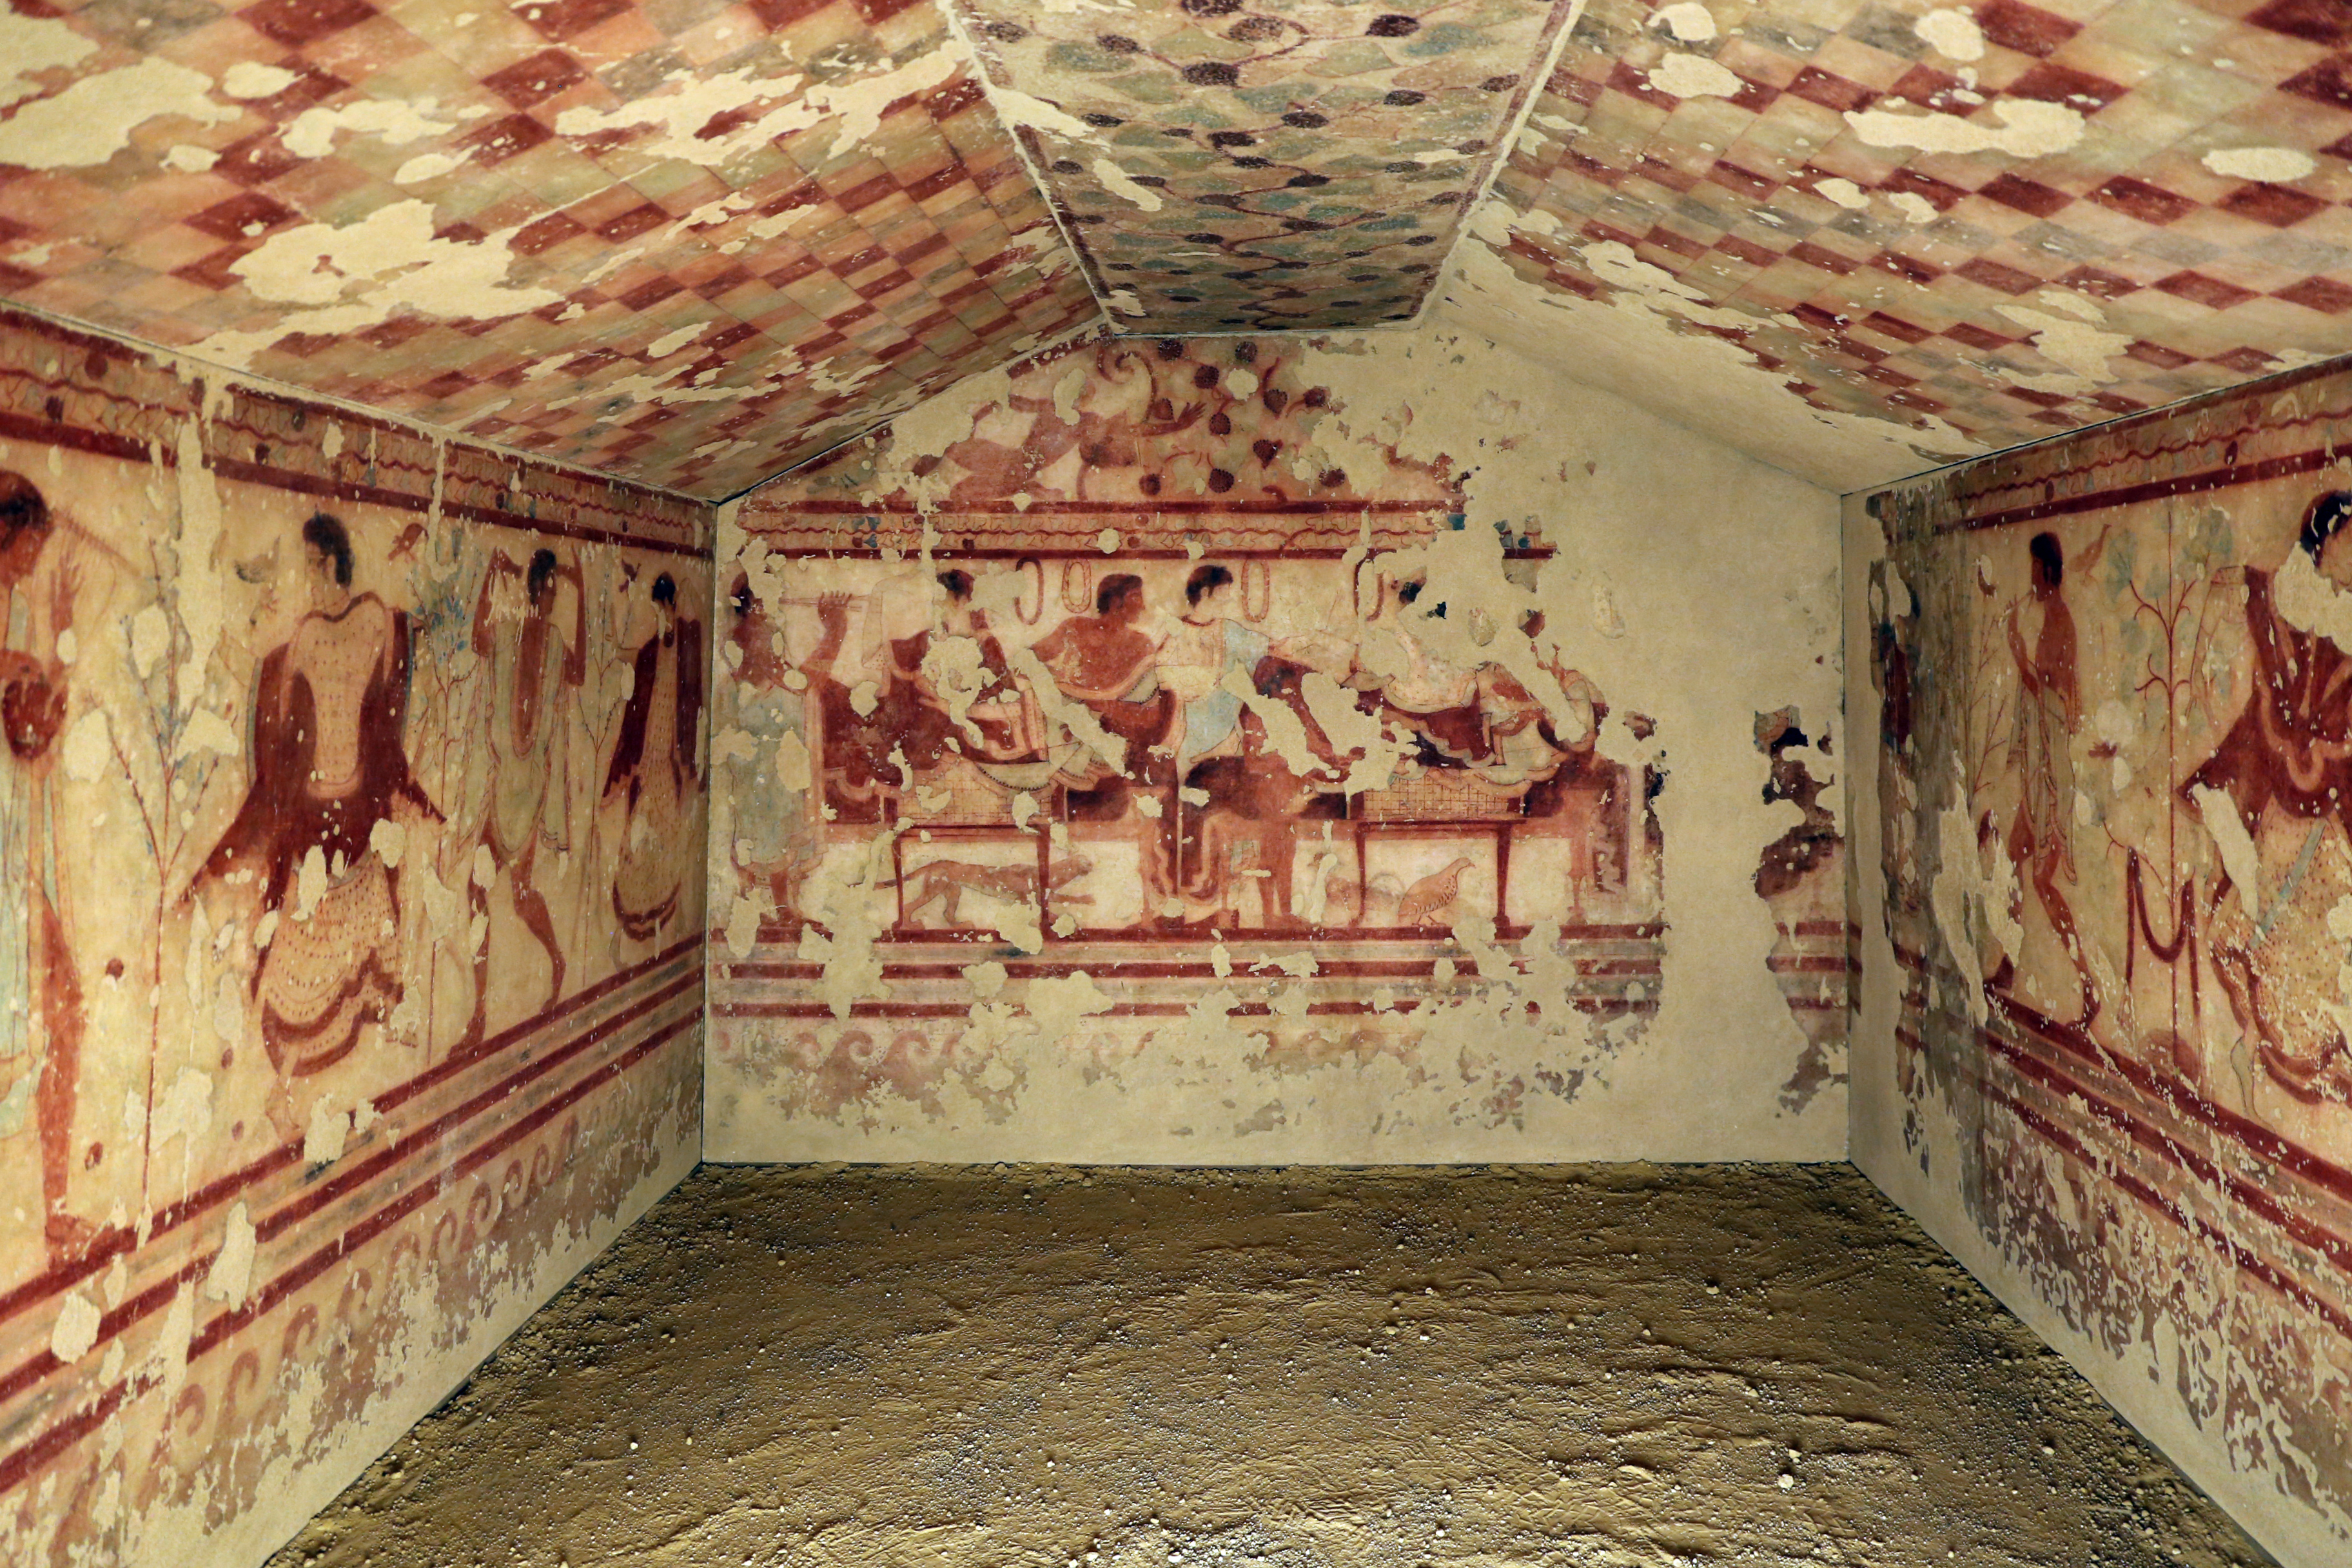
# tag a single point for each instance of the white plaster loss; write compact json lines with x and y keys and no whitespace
{"x":1628,"y":344}
{"x":1915,"y":208}
{"x":2273,"y":166}
{"x":30,"y":46}
{"x":2081,"y":348}
{"x":1695,"y":76}
{"x":395,"y":121}
{"x":1687,"y":20}
{"x":426,"y":166}
{"x":252,"y":79}
{"x":683,"y":114}
{"x":230,"y":1279}
{"x":2026,"y":128}
{"x":358,"y":275}
{"x":76,"y":1328}
{"x":190,"y":159}
{"x":92,"y":120}
{"x":1844,"y":192}
{"x":1952,"y":33}
{"x":1115,"y":180}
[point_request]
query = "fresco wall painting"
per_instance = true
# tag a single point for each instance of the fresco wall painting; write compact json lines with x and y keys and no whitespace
{"x":1120,"y":716}
{"x":2114,"y":698}
{"x":352,"y":969}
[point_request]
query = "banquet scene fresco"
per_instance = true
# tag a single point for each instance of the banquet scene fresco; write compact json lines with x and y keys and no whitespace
{"x":352,"y":968}
{"x":2114,"y":685}
{"x":1137,"y":687}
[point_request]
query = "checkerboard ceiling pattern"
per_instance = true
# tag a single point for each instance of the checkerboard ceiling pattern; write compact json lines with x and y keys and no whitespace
{"x":1245,"y":165}
{"x":686,"y":241}
{"x":2083,"y":210}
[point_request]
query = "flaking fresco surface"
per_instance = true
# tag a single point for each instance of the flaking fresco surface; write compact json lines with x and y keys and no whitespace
{"x":687,"y":245}
{"x":351,"y":967}
{"x":1980,"y":222}
{"x":1178,"y":722}
{"x":1224,"y":166}
{"x":2109,"y":677}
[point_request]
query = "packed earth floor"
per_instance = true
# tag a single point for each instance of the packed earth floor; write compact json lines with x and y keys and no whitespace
{"x":1567,"y":1366}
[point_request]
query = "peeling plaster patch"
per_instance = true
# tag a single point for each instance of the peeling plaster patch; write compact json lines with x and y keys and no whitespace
{"x":190,"y":159}
{"x":395,"y":249}
{"x":1687,"y":20}
{"x":426,"y":166}
{"x":685,"y":115}
{"x":1626,"y":344}
{"x":2272,"y":165}
{"x":76,"y":1328}
{"x":1844,"y":192}
{"x":323,"y":1139}
{"x":2081,"y":348}
{"x":1915,"y":208}
{"x":395,"y":122}
{"x":1017,"y":108}
{"x":2029,"y":129}
{"x":92,"y":121}
{"x":2309,"y":602}
{"x":230,"y":1279}
{"x":669,"y":343}
{"x":251,"y":78}
{"x":1695,"y":76}
{"x":1124,"y":301}
{"x":1116,"y":180}
{"x":30,"y":44}
{"x":1951,"y":33}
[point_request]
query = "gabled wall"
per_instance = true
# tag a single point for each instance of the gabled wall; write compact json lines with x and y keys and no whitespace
{"x":1004,"y":868}
{"x":2105,"y":882}
{"x":298,"y":1117}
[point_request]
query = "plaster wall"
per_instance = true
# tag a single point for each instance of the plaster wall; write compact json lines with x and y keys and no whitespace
{"x":350,"y":966}
{"x":2103,"y":882}
{"x":1360,"y":863}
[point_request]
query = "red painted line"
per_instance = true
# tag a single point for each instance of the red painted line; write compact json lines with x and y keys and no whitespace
{"x":312,"y":1199}
{"x":21,"y":1462}
{"x":303,"y":1203}
{"x":16,"y":1466}
{"x":961,"y":1010}
{"x":288,"y":1281}
{"x":2246,"y":1261}
{"x":2256,"y":1138}
{"x":2307,"y":1232}
{"x":944,"y":521}
{"x":2303,"y":462}
{"x":774,"y":933}
{"x":504,"y":1038}
{"x":1262,"y":971}
{"x":50,"y":1283}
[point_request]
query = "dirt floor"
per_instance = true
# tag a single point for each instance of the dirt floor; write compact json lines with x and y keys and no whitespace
{"x":1749,"y":1365}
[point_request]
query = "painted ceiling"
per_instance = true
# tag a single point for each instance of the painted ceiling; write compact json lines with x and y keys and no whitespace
{"x":1989,"y":221}
{"x":694,"y":243}
{"x":1223,"y":166}
{"x":685,"y":241}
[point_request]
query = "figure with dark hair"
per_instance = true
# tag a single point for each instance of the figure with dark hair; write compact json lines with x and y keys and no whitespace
{"x":2290,"y":750}
{"x":531,"y":661}
{"x":2049,"y":707}
{"x":42,"y":1019}
{"x":1199,"y":661}
{"x":1110,"y":663}
{"x":655,"y":769}
{"x":327,"y":771}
